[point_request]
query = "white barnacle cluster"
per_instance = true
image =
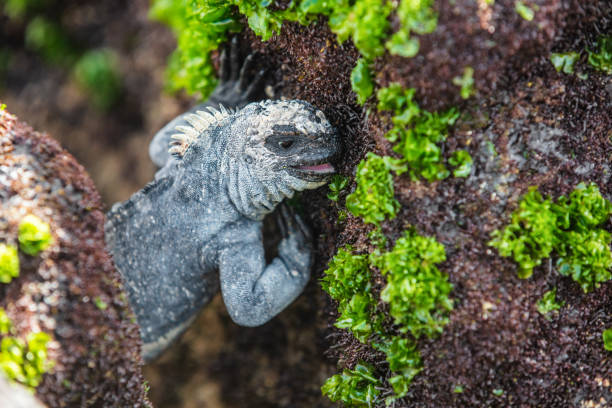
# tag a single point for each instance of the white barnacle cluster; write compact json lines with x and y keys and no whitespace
{"x":199,"y":122}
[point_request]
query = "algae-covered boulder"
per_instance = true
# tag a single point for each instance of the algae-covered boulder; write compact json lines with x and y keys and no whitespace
{"x":66,"y":328}
{"x":459,"y":118}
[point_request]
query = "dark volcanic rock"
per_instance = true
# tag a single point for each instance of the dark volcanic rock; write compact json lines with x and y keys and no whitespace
{"x":71,"y":290}
{"x":527,"y":126}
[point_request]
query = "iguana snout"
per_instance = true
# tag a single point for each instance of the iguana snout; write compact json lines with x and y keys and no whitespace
{"x":307,"y":156}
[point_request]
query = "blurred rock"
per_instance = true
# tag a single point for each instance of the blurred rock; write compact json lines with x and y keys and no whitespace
{"x":16,"y":396}
{"x":70,"y":290}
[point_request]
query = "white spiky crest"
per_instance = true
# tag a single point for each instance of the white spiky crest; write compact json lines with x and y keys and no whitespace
{"x":199,"y":122}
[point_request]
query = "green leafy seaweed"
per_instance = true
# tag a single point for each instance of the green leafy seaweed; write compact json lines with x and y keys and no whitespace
{"x":417,"y":292}
{"x":354,"y":388}
{"x":415,"y":16}
{"x":524,"y":11}
{"x":416,"y":133}
{"x":531,"y":235}
{"x":607,"y":339}
{"x":357,"y":316}
{"x":564,"y":61}
{"x":549,"y":302}
{"x":405,"y":360}
{"x":23,"y":361}
{"x":347,"y":274}
{"x":602,"y":59}
{"x":337,"y":184}
{"x":34,"y":235}
{"x":584,"y":250}
{"x":465,"y":82}
{"x":100,"y":304}
{"x":202,"y":25}
{"x":5,"y":322}
{"x":462,"y":161}
{"x":568,"y":227}
{"x":16,"y":9}
{"x":365,"y":23}
{"x":347,"y":280}
{"x":373,"y":198}
{"x":48,"y":38}
{"x":9,"y":263}
{"x":586,"y":257}
{"x":361,"y":81}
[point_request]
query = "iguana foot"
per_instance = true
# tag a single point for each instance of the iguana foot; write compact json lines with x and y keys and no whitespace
{"x":295,"y":248}
{"x":237,"y":86}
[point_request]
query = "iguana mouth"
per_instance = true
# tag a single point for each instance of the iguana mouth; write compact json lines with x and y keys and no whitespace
{"x":317,"y":171}
{"x":324,"y":168}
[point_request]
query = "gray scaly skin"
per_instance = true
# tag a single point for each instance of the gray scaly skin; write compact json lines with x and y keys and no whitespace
{"x":198,"y":227}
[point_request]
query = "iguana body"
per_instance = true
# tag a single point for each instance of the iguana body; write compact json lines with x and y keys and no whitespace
{"x":197,"y":228}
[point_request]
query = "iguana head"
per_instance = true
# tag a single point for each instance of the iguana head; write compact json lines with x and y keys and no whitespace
{"x":265,"y":152}
{"x":291,"y":139}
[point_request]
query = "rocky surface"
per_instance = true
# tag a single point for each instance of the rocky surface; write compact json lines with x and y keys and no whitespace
{"x":70,"y":290}
{"x":527,"y":125}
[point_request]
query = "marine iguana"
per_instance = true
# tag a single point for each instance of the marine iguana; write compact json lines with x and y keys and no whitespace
{"x":197,"y":227}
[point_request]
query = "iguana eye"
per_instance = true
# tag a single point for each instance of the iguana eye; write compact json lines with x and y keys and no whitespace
{"x":285,"y":144}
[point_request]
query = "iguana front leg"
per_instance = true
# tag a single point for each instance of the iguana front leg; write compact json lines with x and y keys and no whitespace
{"x":236,"y":89}
{"x":253,"y":292}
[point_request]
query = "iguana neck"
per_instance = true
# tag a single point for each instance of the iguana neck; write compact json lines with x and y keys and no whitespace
{"x":251,"y":197}
{"x":223,"y":174}
{"x":221,"y":159}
